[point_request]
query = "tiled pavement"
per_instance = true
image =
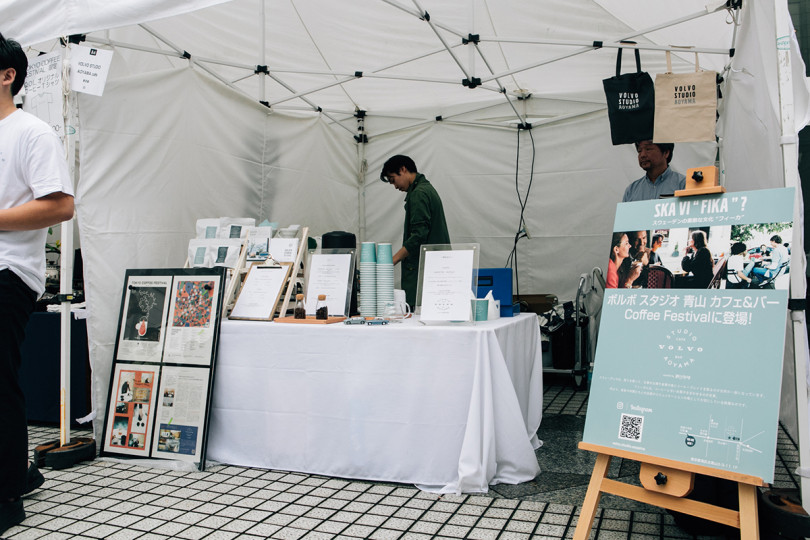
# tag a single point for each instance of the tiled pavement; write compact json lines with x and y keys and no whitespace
{"x":104,"y":499}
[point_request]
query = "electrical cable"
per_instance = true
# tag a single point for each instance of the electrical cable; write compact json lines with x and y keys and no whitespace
{"x":512,"y":260}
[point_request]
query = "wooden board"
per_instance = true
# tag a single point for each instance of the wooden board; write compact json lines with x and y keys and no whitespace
{"x":309,"y":320}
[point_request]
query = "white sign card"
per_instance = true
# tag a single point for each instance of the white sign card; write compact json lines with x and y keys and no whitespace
{"x":191,"y":327}
{"x":89,"y":67}
{"x":180,"y":415}
{"x":260,"y":293}
{"x":43,"y":90}
{"x":284,"y":249}
{"x":143,"y":330}
{"x":329,"y":274}
{"x":447,"y":285}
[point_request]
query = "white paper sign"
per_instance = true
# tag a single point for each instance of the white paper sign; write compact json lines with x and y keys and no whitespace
{"x":88,"y":69}
{"x":260,"y":293}
{"x":284,"y":249}
{"x":447,"y":285}
{"x":329,"y":275}
{"x":43,"y":90}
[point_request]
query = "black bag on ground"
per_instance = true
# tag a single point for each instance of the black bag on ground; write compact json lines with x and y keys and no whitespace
{"x":631,"y":104}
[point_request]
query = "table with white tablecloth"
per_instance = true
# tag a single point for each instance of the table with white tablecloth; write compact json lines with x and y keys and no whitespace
{"x":449,"y":407}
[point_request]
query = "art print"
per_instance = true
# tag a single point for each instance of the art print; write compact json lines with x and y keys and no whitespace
{"x":192,"y":330}
{"x":132,"y":398}
{"x":143,"y":326}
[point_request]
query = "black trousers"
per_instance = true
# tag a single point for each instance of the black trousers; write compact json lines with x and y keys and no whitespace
{"x":16,"y":305}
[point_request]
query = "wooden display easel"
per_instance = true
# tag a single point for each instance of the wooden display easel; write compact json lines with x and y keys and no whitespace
{"x":665,"y":484}
{"x":297,"y":273}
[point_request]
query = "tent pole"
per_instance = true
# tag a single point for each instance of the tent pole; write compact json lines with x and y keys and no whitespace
{"x":362,"y":167}
{"x":66,"y":266}
{"x":622,"y":38}
{"x":263,"y":53}
{"x":441,"y":38}
{"x":790,"y":159}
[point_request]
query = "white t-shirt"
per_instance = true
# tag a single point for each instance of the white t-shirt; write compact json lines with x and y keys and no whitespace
{"x":736,"y":263}
{"x":32,"y":165}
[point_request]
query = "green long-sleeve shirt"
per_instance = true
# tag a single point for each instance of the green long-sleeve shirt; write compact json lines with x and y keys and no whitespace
{"x":424,"y":224}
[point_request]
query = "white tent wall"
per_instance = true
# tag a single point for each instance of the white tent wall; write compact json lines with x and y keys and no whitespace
{"x":751,"y":105}
{"x":156,"y":156}
{"x":578,"y":179}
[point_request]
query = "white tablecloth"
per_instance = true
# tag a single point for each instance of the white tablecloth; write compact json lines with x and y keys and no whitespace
{"x":449,"y":408}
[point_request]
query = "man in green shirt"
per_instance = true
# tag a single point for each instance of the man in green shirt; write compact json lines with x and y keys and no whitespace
{"x":424,"y":218}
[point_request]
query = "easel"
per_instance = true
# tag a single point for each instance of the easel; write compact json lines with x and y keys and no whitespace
{"x":665,"y":484}
{"x":297,"y":273}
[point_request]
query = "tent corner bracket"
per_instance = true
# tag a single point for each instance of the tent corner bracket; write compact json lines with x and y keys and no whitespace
{"x":472,"y":82}
{"x":471,"y":38}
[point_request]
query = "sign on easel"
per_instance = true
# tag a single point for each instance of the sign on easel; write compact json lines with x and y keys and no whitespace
{"x":687,"y":372}
{"x":693,"y":374}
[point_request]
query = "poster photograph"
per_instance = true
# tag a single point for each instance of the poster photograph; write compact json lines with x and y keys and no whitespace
{"x":132,"y":399}
{"x":181,"y":407}
{"x":193,"y":319}
{"x":143,"y":321}
{"x":689,"y":367}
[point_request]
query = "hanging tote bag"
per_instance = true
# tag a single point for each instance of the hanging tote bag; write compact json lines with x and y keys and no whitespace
{"x":631,"y":104}
{"x":685,"y":105}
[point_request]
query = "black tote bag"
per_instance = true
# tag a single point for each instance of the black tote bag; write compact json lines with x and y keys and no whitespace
{"x":631,"y":104}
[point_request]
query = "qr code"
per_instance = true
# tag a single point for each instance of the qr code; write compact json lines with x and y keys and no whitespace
{"x":631,"y":427}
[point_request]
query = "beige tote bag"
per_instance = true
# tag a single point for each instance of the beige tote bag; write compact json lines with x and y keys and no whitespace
{"x":685,"y":105}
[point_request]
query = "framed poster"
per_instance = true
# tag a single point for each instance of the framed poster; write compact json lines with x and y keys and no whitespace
{"x":193,"y":317}
{"x":143,"y":322}
{"x":129,"y":423}
{"x":181,"y":413}
{"x":164,"y":364}
{"x":259,"y":295}
{"x":689,"y":369}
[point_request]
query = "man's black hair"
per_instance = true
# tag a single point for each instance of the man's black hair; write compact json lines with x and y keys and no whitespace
{"x":12,"y":56}
{"x":776,"y":238}
{"x":394,"y":164}
{"x":737,"y":248}
{"x":663,"y":146}
{"x":656,"y":238}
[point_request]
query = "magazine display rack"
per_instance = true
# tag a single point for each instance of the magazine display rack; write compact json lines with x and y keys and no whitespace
{"x":297,"y":274}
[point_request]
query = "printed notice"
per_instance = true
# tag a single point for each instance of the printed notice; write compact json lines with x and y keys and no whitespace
{"x":447,"y":285}
{"x":181,"y":413}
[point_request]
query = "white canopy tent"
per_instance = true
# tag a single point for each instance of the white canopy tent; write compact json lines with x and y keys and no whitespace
{"x":286,"y":109}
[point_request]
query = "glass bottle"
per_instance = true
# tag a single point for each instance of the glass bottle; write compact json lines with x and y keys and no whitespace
{"x":321,"y":309}
{"x":300,"y":312}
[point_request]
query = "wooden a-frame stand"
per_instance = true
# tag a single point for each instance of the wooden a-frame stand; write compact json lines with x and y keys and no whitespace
{"x":297,"y":274}
{"x":665,"y":484}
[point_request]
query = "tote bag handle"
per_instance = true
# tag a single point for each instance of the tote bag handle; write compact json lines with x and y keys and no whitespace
{"x":669,"y":61}
{"x":619,"y":59}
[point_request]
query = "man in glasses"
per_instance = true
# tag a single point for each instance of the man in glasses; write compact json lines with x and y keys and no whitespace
{"x":424,"y":218}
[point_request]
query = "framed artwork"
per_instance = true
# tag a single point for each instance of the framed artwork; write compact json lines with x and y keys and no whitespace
{"x":163,"y":366}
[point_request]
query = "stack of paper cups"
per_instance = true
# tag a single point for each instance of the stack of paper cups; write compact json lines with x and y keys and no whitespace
{"x":368,"y":279}
{"x":385,"y":277}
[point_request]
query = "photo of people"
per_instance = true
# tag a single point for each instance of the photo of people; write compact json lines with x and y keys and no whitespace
{"x":135,"y":440}
{"x":719,"y":257}
{"x":118,"y":435}
{"x":193,"y":303}
{"x":168,"y":397}
{"x":169,"y":440}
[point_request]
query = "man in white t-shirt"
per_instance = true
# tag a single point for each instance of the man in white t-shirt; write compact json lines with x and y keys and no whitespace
{"x":35,"y":193}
